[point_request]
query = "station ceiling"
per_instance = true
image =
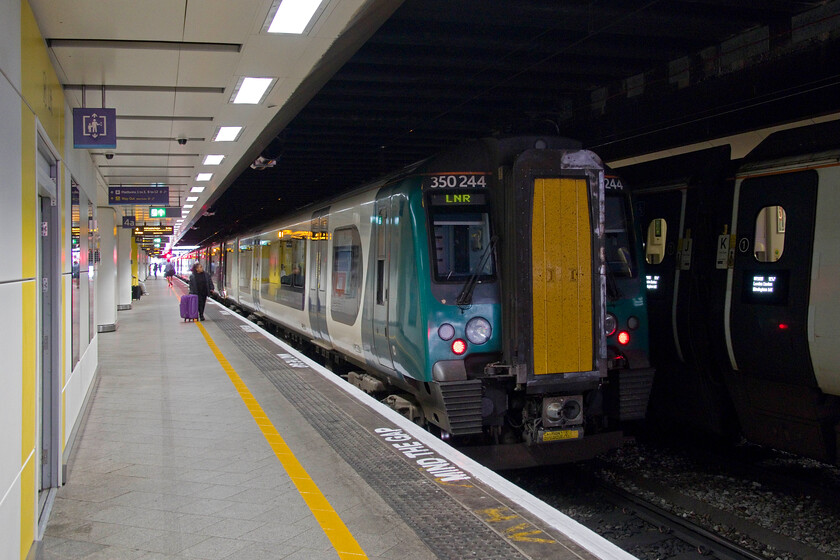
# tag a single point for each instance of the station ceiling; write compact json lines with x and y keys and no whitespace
{"x":396,"y":82}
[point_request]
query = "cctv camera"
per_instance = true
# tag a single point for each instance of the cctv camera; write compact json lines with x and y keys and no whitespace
{"x":109,"y":155}
{"x":182,"y":141}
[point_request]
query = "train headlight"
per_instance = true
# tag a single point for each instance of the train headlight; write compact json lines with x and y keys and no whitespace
{"x":479,"y":330}
{"x":633,"y":323}
{"x":610,"y":324}
{"x":446,"y":331}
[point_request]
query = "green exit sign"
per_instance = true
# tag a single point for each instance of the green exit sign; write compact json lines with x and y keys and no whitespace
{"x":165,"y":212}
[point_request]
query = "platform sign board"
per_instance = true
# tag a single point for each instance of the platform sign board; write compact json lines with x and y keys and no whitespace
{"x":138,"y":195}
{"x":128,"y":222}
{"x":153,"y":231}
{"x":152,"y":239}
{"x":94,"y":127}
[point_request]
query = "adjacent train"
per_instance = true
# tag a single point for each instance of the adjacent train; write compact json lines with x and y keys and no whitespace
{"x":743,"y":288}
{"x":494,"y":293}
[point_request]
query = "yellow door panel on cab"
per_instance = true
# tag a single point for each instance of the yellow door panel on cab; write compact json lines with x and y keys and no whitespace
{"x":562,"y":276}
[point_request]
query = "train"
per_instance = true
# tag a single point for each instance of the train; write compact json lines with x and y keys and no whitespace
{"x":743,"y":289}
{"x":493,"y":293}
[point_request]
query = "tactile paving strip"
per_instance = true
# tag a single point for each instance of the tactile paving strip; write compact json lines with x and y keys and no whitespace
{"x":447,"y":528}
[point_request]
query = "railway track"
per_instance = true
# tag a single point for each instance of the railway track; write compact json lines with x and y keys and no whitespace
{"x":705,"y":544}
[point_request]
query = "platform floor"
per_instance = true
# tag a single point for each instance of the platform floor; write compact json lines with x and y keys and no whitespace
{"x":208,"y":441}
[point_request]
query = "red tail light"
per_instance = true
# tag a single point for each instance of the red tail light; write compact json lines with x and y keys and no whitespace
{"x":624,"y":337}
{"x":459,"y":346}
{"x":783,"y":326}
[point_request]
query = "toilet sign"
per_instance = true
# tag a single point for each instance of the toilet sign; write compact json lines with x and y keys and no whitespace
{"x":94,"y":127}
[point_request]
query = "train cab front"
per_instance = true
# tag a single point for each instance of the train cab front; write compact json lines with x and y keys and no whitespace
{"x":464,"y":319}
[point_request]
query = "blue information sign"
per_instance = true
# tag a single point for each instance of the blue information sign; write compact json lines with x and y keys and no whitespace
{"x":129,"y":222}
{"x":138,"y":195}
{"x":94,"y":128}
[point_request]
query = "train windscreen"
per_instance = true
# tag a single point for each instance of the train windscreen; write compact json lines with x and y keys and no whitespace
{"x":618,"y":239}
{"x":461,"y":243}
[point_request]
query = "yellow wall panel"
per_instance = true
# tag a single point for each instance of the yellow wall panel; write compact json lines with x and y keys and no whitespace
{"x":40,"y":87}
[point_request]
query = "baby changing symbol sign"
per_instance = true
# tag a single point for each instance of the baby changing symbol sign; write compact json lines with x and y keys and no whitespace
{"x":94,"y":127}
{"x":93,"y":124}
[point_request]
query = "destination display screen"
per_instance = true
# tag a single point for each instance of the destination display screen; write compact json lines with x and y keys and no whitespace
{"x":652,"y":282}
{"x":459,"y":199}
{"x":766,"y":287}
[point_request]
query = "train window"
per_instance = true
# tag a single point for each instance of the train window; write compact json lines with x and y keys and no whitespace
{"x":657,"y":232}
{"x":769,"y":242}
{"x":461,"y":242}
{"x":347,"y":275}
{"x":245,"y":258}
{"x":618,"y":241}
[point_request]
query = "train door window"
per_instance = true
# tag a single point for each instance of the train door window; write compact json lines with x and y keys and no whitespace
{"x":618,"y":240}
{"x":657,"y":232}
{"x":298,"y":263}
{"x":346,"y":277}
{"x":381,"y":253}
{"x":769,"y":241}
{"x":265,"y":265}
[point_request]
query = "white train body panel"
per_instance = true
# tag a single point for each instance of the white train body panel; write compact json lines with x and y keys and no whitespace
{"x":824,"y":307}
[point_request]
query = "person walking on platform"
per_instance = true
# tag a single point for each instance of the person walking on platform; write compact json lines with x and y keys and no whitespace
{"x":170,"y":272}
{"x":201,"y":285}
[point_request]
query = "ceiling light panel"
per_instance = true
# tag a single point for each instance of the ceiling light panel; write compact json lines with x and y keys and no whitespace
{"x":292,"y":16}
{"x":188,"y":205}
{"x":252,"y":90}
{"x":213,"y":159}
{"x":203,"y":176}
{"x":197,"y":189}
{"x":227,"y":133}
{"x":192,"y":198}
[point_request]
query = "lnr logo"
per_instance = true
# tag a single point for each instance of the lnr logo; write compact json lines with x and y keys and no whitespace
{"x":94,"y":125}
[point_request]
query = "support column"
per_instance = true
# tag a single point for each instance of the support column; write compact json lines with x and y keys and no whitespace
{"x":106,"y":281}
{"x":124,"y":239}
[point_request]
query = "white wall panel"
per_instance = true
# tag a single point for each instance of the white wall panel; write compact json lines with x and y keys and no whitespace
{"x":10,"y":395}
{"x":10,"y":157}
{"x":10,"y":522}
{"x":10,"y":41}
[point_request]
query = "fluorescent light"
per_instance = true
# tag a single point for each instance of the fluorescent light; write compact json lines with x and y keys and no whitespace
{"x":192,"y":198}
{"x":251,"y":90}
{"x":188,"y":205}
{"x":197,"y":189}
{"x":293,"y":16}
{"x":203,"y":176}
{"x":213,"y":159}
{"x":227,"y":133}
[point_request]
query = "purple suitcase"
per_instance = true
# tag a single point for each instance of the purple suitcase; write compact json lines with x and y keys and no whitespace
{"x":189,"y":307}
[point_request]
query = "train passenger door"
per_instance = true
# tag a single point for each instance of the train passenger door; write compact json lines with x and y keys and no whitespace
{"x":662,"y":215}
{"x":318,"y":274}
{"x":381,"y":256}
{"x":767,"y":330}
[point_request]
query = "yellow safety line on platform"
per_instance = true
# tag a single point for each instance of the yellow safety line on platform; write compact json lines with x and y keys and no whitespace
{"x":335,"y":529}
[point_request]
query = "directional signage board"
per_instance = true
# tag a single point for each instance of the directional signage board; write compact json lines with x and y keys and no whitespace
{"x":149,"y":231}
{"x":94,"y":127}
{"x":152,"y":239}
{"x":138,"y":195}
{"x":165,"y":212}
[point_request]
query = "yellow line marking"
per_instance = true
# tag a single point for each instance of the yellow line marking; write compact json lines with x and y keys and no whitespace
{"x":335,"y":529}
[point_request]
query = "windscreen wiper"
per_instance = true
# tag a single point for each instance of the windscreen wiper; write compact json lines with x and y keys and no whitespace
{"x":465,"y":297}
